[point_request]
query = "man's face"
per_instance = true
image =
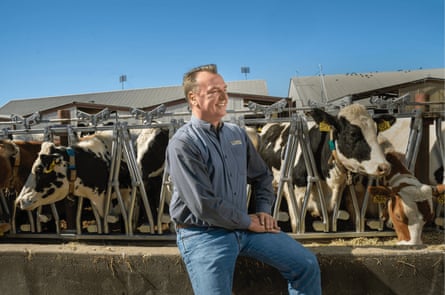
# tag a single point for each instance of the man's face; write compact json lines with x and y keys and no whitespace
{"x":209,"y":102}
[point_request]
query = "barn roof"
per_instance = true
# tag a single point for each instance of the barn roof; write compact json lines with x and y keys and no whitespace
{"x":357,"y":85}
{"x":138,"y":98}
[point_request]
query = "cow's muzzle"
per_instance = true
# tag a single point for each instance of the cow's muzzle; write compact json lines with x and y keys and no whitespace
{"x":383,"y":169}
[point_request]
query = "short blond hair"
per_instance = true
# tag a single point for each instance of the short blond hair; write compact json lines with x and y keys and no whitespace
{"x":189,"y":79}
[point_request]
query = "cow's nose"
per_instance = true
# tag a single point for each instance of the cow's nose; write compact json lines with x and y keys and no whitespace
{"x":383,"y":169}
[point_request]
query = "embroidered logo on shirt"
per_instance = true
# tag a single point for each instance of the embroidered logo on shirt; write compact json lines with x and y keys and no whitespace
{"x":236,"y":142}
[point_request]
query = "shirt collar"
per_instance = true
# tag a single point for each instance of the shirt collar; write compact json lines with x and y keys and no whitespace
{"x":206,"y":125}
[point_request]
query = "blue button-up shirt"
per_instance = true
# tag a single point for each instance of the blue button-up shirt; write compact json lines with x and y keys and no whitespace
{"x":210,"y":169}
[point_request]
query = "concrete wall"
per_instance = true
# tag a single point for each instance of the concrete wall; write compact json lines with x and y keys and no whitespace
{"x":77,"y":269}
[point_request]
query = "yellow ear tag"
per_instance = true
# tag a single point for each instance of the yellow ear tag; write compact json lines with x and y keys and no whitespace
{"x":324,"y":127}
{"x":379,"y":199}
{"x":384,"y":125}
{"x":51,"y":167}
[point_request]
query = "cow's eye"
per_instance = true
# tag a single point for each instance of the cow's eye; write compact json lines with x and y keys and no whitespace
{"x":39,"y":169}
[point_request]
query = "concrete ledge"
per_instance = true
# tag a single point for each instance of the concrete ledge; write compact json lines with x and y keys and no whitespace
{"x":89,"y":269}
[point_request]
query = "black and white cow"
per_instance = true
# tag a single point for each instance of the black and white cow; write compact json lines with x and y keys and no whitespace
{"x":151,"y":145}
{"x":353,"y":149}
{"x":90,"y":159}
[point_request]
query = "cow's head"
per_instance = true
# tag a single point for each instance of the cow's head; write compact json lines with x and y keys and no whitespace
{"x":354,"y":132}
{"x":48,"y":181}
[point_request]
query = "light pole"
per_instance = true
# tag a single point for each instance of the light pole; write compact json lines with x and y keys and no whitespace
{"x":122,"y":80}
{"x":245,"y":71}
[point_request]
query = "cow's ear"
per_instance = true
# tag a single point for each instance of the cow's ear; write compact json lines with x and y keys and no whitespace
{"x":324,"y":120}
{"x":384,"y":122}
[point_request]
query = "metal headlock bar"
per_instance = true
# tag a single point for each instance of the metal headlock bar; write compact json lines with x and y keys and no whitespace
{"x":414,"y":140}
{"x":298,"y":134}
{"x":441,"y":142}
{"x":167,"y":186}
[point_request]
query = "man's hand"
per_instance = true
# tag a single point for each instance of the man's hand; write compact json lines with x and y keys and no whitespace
{"x":263,"y":222}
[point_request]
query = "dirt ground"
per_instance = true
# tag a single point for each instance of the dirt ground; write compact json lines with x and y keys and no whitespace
{"x":433,"y":239}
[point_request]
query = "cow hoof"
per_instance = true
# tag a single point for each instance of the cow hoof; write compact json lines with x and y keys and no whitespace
{"x":25,"y":227}
{"x":373,"y":224}
{"x":144,"y":228}
{"x":165,"y":218}
{"x":112,"y":219}
{"x":283,"y":216}
{"x":440,"y":221}
{"x":318,"y":225}
{"x":343,"y":215}
{"x":92,"y":228}
{"x":44,"y":218}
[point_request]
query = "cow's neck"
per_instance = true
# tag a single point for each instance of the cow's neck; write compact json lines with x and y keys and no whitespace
{"x":397,"y":168}
{"x":15,"y":159}
{"x":334,"y":159}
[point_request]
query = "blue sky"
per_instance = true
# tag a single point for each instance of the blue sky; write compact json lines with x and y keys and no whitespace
{"x":58,"y":47}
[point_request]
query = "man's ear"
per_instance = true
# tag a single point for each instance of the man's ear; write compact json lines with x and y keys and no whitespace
{"x":189,"y":96}
{"x":192,"y":98}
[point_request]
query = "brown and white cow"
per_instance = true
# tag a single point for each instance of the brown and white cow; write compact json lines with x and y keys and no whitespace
{"x":16,"y":159}
{"x":398,"y":136}
{"x":350,"y":146}
{"x":409,"y":202}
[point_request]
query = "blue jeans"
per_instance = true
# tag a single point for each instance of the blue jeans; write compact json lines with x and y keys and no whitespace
{"x":210,"y":255}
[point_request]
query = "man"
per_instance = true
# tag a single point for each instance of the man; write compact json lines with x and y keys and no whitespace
{"x":210,"y":164}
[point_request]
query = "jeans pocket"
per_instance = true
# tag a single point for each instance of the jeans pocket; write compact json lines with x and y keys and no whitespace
{"x":187,"y":237}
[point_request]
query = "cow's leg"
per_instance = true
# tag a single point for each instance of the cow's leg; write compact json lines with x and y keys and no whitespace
{"x":286,"y":190}
{"x":335,"y":207}
{"x":336,"y":182}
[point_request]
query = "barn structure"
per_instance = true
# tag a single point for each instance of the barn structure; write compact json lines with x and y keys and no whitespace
{"x":367,"y":88}
{"x":429,"y":83}
{"x":122,"y":102}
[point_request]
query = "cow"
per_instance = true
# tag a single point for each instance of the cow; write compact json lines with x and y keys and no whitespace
{"x":398,"y":136}
{"x":341,"y":145}
{"x":409,"y":202}
{"x":16,"y":159}
{"x":82,"y":170}
{"x":151,"y":145}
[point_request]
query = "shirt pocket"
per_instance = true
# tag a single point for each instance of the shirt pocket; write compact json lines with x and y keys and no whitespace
{"x":239,"y":158}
